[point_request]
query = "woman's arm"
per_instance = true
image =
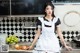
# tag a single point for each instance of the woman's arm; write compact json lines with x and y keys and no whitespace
{"x":62,"y":39}
{"x":38,"y":32}
{"x":59,"y":32}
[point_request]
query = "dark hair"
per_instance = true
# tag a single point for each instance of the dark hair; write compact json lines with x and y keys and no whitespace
{"x":50,"y":4}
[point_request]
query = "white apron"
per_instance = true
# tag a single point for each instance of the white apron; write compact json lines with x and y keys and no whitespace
{"x":48,"y":41}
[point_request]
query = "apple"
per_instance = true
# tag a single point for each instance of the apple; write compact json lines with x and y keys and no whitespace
{"x":17,"y":46}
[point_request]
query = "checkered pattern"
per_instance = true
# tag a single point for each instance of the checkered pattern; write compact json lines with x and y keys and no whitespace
{"x":12,"y":25}
{"x":69,"y":35}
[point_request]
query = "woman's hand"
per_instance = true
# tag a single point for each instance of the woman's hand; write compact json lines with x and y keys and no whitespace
{"x":30,"y":48}
{"x":68,"y":48}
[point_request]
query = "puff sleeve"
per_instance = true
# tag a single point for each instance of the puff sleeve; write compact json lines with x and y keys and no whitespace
{"x":57,"y":24}
{"x":38,"y":24}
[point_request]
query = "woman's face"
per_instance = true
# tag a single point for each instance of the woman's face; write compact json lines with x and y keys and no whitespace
{"x":49,"y":10}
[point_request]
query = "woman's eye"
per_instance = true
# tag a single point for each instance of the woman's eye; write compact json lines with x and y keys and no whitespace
{"x":47,"y":8}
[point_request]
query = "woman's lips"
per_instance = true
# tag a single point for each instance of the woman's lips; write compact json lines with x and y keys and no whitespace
{"x":49,"y":13}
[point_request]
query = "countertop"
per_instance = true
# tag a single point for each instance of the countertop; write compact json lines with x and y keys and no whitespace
{"x":30,"y":51}
{"x":63,"y":50}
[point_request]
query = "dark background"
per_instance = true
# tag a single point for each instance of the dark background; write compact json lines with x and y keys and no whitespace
{"x":25,"y":7}
{"x":28,"y":6}
{"x":4,"y":7}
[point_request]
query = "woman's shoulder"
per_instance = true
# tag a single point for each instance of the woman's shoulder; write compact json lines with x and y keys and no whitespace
{"x":56,"y":19}
{"x":40,"y":18}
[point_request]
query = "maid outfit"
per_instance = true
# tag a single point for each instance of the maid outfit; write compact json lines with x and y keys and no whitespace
{"x":48,"y":41}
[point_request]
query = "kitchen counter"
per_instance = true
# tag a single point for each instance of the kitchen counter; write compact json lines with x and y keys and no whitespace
{"x":30,"y":51}
{"x":12,"y":50}
{"x":73,"y":51}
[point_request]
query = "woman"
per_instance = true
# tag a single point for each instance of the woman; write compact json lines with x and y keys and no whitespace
{"x":46,"y":28}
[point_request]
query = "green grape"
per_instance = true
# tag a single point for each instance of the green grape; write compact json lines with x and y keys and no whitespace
{"x":16,"y":40}
{"x":8,"y":40}
{"x":12,"y":39}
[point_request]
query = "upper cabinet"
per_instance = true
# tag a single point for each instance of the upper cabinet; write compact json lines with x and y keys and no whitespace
{"x":4,"y":7}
